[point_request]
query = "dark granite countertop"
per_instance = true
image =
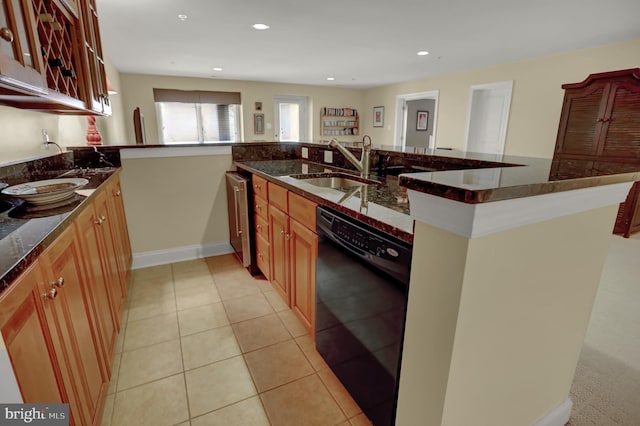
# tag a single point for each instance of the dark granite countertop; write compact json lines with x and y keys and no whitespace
{"x":384,"y":206}
{"x":24,"y":233}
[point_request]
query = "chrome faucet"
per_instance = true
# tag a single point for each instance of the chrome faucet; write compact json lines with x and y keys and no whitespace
{"x":363,"y":164}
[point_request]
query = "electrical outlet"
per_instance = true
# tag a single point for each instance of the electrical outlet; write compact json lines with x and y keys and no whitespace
{"x":305,"y":168}
{"x":305,"y":152}
{"x":45,"y":138}
{"x":328,"y":157}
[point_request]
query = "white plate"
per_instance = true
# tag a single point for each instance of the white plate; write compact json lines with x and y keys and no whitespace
{"x":46,"y":191}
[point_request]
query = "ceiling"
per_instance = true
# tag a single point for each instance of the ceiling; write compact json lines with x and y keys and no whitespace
{"x":361,"y":43}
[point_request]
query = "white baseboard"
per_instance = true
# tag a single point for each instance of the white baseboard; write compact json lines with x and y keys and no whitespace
{"x":179,"y":254}
{"x":559,"y":416}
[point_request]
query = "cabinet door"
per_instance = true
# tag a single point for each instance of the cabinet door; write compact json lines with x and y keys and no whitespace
{"x":279,"y":251}
{"x":581,"y":120}
{"x":89,"y":227}
{"x":96,"y":84}
{"x":71,"y":320}
{"x":121,"y":231}
{"x":20,"y":58}
{"x":107,"y":223}
{"x":302,"y":259}
{"x":28,"y":341}
{"x":621,"y":125}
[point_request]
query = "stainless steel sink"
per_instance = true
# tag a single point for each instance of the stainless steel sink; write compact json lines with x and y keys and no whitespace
{"x":335,"y":180}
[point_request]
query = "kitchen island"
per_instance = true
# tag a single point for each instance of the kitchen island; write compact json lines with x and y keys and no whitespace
{"x":506,"y":264}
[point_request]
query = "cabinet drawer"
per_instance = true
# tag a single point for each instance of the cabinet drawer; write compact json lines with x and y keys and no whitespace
{"x":261,"y":207}
{"x":262,"y":256}
{"x":262,"y":227}
{"x":260,"y":187}
{"x":278,"y":197}
{"x":302,"y":210}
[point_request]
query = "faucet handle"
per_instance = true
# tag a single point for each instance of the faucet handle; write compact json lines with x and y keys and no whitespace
{"x":366,"y":142}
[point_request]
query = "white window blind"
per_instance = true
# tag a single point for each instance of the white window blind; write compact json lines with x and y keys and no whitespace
{"x":198,"y":116}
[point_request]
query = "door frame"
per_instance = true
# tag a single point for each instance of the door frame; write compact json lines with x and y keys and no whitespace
{"x":507,"y":84}
{"x":303,"y":101}
{"x":401,"y":116}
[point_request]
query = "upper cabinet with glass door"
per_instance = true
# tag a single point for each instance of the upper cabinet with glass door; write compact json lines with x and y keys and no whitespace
{"x":48,"y":58}
{"x":20,"y":59}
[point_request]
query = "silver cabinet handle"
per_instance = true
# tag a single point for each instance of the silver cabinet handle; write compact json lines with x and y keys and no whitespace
{"x":51,"y":294}
{"x":236,"y":208}
{"x":101,"y":220}
{"x":58,"y":283}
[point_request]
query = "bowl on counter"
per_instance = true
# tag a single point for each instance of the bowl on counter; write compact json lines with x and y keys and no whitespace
{"x":48,"y":191}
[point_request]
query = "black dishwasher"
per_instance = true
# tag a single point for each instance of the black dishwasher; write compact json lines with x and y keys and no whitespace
{"x":362,"y":282}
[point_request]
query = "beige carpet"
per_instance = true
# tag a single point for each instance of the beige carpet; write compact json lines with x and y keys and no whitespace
{"x":606,"y":387}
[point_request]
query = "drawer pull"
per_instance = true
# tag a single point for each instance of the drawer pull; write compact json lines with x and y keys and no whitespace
{"x":58,"y":283}
{"x":51,"y":294}
{"x":101,"y":220}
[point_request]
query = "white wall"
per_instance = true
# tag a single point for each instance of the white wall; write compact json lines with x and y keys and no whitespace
{"x":535,"y":105}
{"x":20,"y":134}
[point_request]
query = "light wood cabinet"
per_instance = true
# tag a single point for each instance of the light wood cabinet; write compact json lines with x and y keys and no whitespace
{"x":60,"y":318}
{"x":261,"y":219}
{"x":72,"y":319}
{"x":302,"y":259}
{"x":293,"y":250}
{"x":279,"y":251}
{"x":27,"y":339}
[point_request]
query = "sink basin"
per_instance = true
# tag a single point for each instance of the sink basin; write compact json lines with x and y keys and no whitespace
{"x":335,"y":180}
{"x":5,"y":205}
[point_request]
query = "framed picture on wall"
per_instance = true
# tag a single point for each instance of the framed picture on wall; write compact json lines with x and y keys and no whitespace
{"x":378,"y":116}
{"x":258,"y":124}
{"x":422,"y":120}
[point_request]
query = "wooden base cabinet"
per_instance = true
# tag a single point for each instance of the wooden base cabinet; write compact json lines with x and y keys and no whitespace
{"x":303,"y":254}
{"x":28,"y":341}
{"x":293,"y":251}
{"x":72,"y":319}
{"x":60,"y":318}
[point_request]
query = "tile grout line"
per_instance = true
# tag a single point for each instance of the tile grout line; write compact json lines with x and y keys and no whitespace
{"x":184,"y":372}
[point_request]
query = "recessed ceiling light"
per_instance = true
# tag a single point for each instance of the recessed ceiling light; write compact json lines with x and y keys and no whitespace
{"x":331,"y":78}
{"x":423,"y":53}
{"x":260,"y":26}
{"x":182,"y":17}
{"x":217,"y":69}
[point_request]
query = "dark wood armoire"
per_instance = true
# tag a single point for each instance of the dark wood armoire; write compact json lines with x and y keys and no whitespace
{"x":599,"y":134}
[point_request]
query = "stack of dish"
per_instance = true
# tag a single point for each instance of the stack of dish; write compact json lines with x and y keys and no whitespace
{"x":45,"y":192}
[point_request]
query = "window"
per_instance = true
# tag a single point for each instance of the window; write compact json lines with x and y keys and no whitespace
{"x":198,"y":116}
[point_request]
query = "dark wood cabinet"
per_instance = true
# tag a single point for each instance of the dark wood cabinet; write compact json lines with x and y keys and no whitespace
{"x":599,"y":134}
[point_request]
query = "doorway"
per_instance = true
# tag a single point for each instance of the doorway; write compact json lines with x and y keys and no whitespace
{"x":488,"y":117}
{"x":290,"y":118}
{"x":410,"y":125}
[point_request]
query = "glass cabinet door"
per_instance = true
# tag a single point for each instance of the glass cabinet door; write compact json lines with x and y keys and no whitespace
{"x":19,"y":55}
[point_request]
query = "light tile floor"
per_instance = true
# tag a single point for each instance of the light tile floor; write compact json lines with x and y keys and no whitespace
{"x":606,"y":386}
{"x":205,"y":343}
